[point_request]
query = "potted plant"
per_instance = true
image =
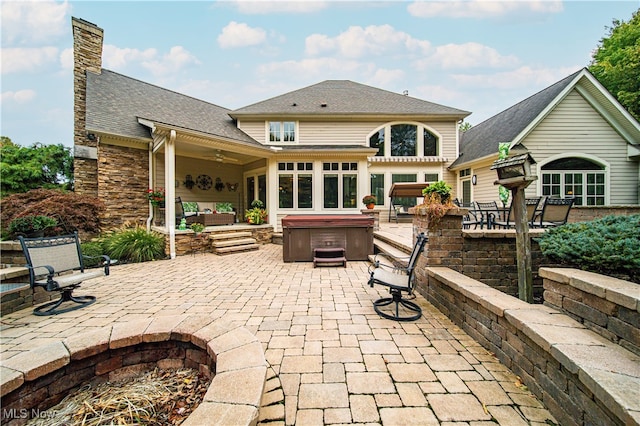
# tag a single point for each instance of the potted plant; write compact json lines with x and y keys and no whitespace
{"x":257,"y":214}
{"x":440,"y":188}
{"x":369,"y":201}
{"x":197,"y":227}
{"x":156,"y":197}
{"x":437,"y":202}
{"x":31,"y":226}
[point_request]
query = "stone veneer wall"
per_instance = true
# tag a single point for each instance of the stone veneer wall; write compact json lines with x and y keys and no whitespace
{"x":123,"y":184}
{"x":87,"y":56}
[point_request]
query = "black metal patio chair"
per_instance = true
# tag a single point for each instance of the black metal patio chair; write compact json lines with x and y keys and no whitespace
{"x":399,"y":280}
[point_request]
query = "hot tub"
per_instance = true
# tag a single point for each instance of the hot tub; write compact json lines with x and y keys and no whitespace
{"x":303,"y":233}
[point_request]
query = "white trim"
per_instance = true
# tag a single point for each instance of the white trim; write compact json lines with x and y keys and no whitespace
{"x":419,"y":140}
{"x":590,"y":157}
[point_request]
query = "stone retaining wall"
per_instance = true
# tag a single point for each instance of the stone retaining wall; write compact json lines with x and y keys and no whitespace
{"x":486,"y":255}
{"x":588,"y":213}
{"x":606,"y":305}
{"x":580,"y":377}
{"x":38,"y":379}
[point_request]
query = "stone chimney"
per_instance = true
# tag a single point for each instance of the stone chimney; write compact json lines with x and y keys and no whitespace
{"x":87,"y":56}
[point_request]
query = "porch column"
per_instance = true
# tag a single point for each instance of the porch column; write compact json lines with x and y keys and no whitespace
{"x":170,"y":191}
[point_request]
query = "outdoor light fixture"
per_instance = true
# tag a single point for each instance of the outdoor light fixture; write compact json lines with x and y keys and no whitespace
{"x":474,"y":179}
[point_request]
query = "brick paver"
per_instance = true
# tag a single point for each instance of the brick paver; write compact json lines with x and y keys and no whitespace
{"x":336,"y":360}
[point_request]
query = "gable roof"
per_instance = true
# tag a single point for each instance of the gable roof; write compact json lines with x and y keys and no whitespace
{"x":116,"y":102}
{"x":514,"y":123}
{"x":344,"y":97}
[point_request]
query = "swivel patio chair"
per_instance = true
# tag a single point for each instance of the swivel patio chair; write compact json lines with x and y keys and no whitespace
{"x":399,"y":280}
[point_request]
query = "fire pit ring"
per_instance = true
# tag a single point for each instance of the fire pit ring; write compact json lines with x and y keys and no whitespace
{"x":35,"y":380}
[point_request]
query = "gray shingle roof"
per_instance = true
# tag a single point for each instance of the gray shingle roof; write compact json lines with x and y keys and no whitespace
{"x":346,"y":97}
{"x":482,"y":140}
{"x":115,"y":102}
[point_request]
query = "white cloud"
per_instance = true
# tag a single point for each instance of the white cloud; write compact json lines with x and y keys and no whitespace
{"x":240,"y":35}
{"x":481,"y":8}
{"x":515,"y":79}
{"x":467,"y":55}
{"x":29,"y":22}
{"x":115,"y":58}
{"x":66,"y":59}
{"x":28,"y":59}
{"x":386,"y":77}
{"x":261,"y":7}
{"x":312,"y":69}
{"x":177,"y":59}
{"x":372,"y":40}
{"x":19,"y":96}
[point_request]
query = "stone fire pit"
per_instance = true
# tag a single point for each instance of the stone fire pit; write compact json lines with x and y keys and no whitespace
{"x":36,"y":380}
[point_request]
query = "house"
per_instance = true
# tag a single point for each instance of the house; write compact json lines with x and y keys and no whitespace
{"x":316,"y":150}
{"x":585,"y":144}
{"x":322,"y":148}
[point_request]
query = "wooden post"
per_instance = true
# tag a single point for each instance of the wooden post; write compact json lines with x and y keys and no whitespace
{"x":523,"y":245}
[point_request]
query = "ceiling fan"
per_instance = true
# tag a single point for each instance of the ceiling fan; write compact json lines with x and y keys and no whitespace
{"x":221,"y":158}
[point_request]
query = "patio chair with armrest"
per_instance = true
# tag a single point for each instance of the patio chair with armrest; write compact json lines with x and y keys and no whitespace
{"x":555,"y":212}
{"x":489,"y":213}
{"x":532,"y":210}
{"x":399,"y":280}
{"x":473,"y":216}
{"x":190,"y":217}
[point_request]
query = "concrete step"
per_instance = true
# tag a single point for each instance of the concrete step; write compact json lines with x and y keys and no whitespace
{"x":233,"y":242}
{"x":236,"y":249}
{"x":392,"y":253}
{"x":229,"y":235}
{"x":403,"y":244}
{"x":13,"y":272}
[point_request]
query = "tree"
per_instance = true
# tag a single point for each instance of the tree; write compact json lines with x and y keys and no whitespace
{"x":464,"y":126}
{"x":616,"y":63}
{"x":37,"y":166}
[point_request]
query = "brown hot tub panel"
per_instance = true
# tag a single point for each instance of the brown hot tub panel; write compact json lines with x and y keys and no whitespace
{"x":303,"y":233}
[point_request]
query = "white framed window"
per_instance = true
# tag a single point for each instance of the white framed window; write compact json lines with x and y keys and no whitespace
{"x":282,"y":131}
{"x":340,"y":185}
{"x":405,"y":140}
{"x":295,"y":185}
{"x":580,"y":178}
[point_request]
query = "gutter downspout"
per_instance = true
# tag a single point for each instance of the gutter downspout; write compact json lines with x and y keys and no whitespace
{"x":169,"y":179}
{"x":150,"y":217}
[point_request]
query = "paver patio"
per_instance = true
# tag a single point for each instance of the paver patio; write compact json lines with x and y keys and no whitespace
{"x":334,"y":360}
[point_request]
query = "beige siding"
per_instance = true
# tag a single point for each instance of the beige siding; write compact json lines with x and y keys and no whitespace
{"x":575,"y":127}
{"x":349,"y":132}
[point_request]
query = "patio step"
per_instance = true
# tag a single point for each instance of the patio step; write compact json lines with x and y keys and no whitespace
{"x":233,"y":242}
{"x":236,"y":249}
{"x":391,"y":252}
{"x":229,"y":235}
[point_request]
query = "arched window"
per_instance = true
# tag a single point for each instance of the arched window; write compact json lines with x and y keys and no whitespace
{"x":404,"y":140}
{"x":575,"y":177}
{"x":377,"y":141}
{"x":430,"y":143}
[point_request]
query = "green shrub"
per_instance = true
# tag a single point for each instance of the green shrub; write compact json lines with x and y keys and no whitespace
{"x":26,"y":225}
{"x":134,"y":245}
{"x":92,"y":249}
{"x":610,"y":245}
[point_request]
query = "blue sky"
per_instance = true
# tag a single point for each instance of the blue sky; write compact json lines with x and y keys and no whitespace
{"x":479,"y":56}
